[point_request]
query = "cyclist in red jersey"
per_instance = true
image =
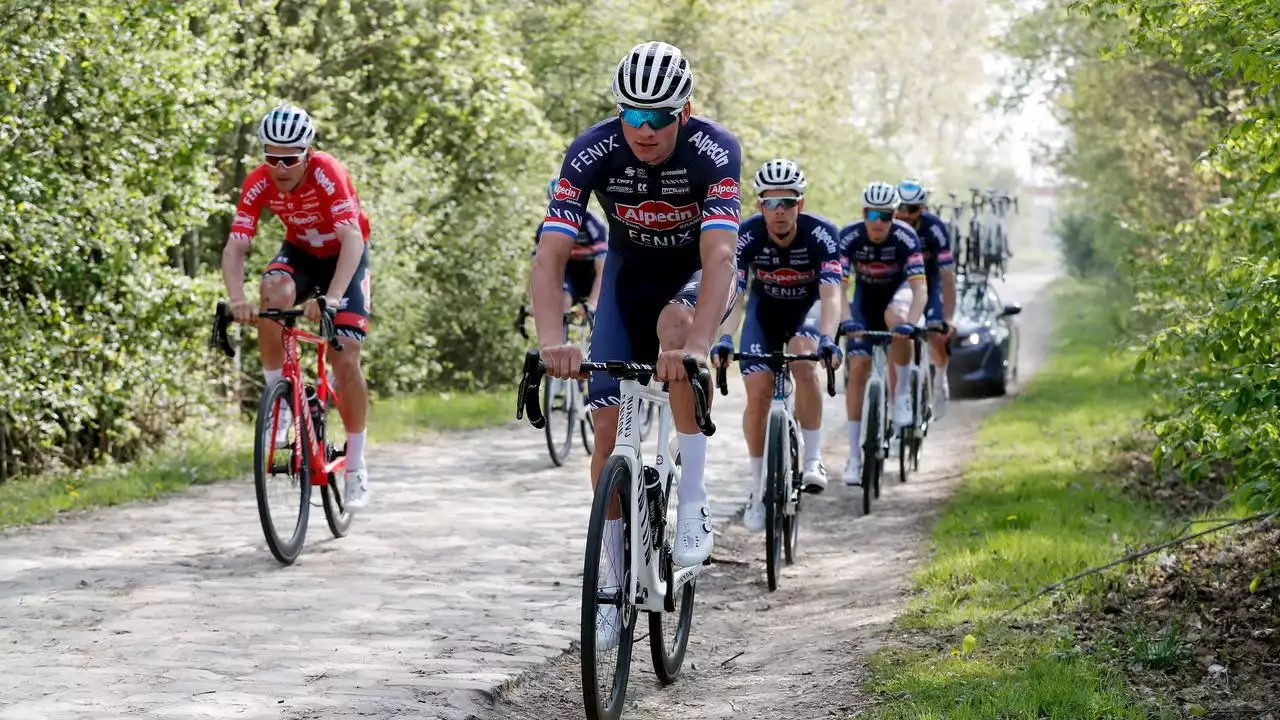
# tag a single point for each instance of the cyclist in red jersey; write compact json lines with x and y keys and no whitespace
{"x":325,"y":253}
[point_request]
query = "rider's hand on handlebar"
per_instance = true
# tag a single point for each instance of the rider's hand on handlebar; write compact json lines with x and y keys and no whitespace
{"x":721,"y":351}
{"x":562,"y":361}
{"x":905,"y":329}
{"x":311,"y":308}
{"x":851,"y":327}
{"x":670,"y":365}
{"x":830,"y":352}
{"x":243,"y":311}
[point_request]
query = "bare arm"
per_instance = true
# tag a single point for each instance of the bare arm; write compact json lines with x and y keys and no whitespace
{"x":719,"y":273}
{"x":734,"y":321}
{"x":829,"y":309}
{"x":233,"y":257}
{"x":949,"y":296}
{"x":348,"y":261}
{"x":845,"y":313}
{"x":919,"y":298}
{"x":594,"y":300}
{"x":546,"y":284}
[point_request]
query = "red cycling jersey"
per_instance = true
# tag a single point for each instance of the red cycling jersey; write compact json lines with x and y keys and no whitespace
{"x":322,"y":202}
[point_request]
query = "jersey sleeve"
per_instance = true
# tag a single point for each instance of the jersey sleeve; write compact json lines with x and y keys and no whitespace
{"x":339,"y":196}
{"x":253,"y":196}
{"x":746,"y":253}
{"x":567,"y":210}
{"x":830,"y":267}
{"x":722,"y":204}
{"x":946,"y":259}
{"x":912,"y":258}
{"x":844,"y":242}
{"x":598,"y":235}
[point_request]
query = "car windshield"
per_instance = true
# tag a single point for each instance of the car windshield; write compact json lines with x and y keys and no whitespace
{"x":972,"y":301}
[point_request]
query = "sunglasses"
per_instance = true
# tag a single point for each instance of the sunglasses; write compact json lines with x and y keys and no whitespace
{"x":877,"y":215}
{"x":656,"y":119}
{"x":283,"y":160}
{"x":775,"y":203}
{"x":911,"y":209}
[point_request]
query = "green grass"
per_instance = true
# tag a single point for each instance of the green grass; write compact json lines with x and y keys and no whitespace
{"x":228,"y":454}
{"x":1034,"y":507}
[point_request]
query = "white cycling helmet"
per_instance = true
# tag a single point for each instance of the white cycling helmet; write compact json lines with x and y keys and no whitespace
{"x":880,"y":196}
{"x":910,"y":191}
{"x":653,"y":75}
{"x":779,"y":174}
{"x":287,"y":126}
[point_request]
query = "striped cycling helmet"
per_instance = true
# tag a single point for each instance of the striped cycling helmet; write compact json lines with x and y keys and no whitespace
{"x":653,"y":75}
{"x":779,"y":174}
{"x":880,"y":196}
{"x":287,"y":126}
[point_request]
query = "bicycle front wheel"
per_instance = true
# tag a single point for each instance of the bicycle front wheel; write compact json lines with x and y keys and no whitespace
{"x":608,"y":617}
{"x":870,"y":445}
{"x":281,"y":476}
{"x":791,"y":521}
{"x":774,"y":497}
{"x":668,"y":652}
{"x":335,"y":505}
{"x":557,"y":404}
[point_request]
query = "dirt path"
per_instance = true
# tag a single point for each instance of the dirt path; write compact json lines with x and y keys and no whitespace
{"x":801,"y":651}
{"x":458,"y":585}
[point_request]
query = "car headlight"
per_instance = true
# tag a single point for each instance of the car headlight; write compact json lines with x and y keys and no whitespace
{"x":972,"y":338}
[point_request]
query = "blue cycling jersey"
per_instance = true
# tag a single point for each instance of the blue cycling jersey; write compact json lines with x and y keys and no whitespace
{"x":791,"y":273}
{"x":590,"y":243}
{"x":935,"y":246}
{"x":655,"y":212}
{"x":880,"y":268}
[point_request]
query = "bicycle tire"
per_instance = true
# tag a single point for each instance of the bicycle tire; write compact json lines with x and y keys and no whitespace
{"x":286,"y":550}
{"x":335,"y":506}
{"x":558,"y":447}
{"x":870,"y":445}
{"x":791,"y":523}
{"x":668,"y":658}
{"x":614,"y":481}
{"x":775,"y":479}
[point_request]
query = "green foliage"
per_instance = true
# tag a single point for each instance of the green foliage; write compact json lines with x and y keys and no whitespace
{"x":1173,"y":161}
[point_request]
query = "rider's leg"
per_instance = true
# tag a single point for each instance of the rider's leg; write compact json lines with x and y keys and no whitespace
{"x":859,"y":359}
{"x":808,"y":409}
{"x":900,"y":358}
{"x":351,"y":323}
{"x":278,"y":290}
{"x":759,"y":382}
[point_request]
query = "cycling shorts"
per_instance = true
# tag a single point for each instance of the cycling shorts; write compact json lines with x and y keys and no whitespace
{"x":579,"y":277}
{"x":626,"y":327}
{"x":769,"y":326}
{"x":311,"y":277}
{"x":868,"y":310}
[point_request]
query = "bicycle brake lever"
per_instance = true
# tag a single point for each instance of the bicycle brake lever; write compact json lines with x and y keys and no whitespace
{"x":700,"y":382}
{"x":530,"y":383}
{"x":722,"y":372}
{"x":221,"y":321}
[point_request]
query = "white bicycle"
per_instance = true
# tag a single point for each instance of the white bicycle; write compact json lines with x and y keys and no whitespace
{"x":638,"y":494}
{"x":783,"y":475}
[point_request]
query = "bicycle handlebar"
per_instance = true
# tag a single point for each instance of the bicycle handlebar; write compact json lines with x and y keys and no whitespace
{"x":535,"y":369}
{"x":222,"y":319}
{"x":722,"y":381}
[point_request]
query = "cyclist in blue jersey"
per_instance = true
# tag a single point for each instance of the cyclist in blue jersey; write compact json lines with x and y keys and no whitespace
{"x":940,"y":274}
{"x":668,"y":183}
{"x":791,"y":259}
{"x":585,"y":269}
{"x":884,"y":260}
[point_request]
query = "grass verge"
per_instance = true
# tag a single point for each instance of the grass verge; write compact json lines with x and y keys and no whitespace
{"x":1035,"y":506}
{"x":227,"y":454}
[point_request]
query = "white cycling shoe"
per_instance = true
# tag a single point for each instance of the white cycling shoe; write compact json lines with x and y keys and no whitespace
{"x":357,"y":490}
{"x":941,"y":400}
{"x":753,"y":515}
{"x":693,"y":534}
{"x":853,"y":471}
{"x":284,"y":422}
{"x":815,"y":476}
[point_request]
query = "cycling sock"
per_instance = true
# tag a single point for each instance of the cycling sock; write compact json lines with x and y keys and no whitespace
{"x":355,"y":450}
{"x":693,"y":460}
{"x":855,"y":435}
{"x":612,"y":550}
{"x":812,"y":444}
{"x":271,"y":376}
{"x":757,"y":471}
{"x":904,"y":378}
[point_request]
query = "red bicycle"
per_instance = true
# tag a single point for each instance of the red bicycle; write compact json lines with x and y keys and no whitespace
{"x":306,"y":459}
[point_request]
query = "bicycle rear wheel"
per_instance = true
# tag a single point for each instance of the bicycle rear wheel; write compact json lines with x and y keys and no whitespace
{"x":668,"y":653}
{"x":791,"y":522}
{"x":281,"y":477}
{"x":871,"y":435}
{"x":608,"y":617}
{"x":775,"y":483}
{"x":557,"y":404}
{"x":335,"y":506}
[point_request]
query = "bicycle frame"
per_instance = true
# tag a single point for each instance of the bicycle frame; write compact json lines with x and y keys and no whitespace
{"x":291,"y":336}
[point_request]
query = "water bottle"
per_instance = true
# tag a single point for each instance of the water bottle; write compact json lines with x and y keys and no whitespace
{"x":653,"y":498}
{"x":317,"y":412}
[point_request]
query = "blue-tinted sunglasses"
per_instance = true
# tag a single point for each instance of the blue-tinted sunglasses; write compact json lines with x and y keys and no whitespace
{"x":656,"y":119}
{"x":877,"y":215}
